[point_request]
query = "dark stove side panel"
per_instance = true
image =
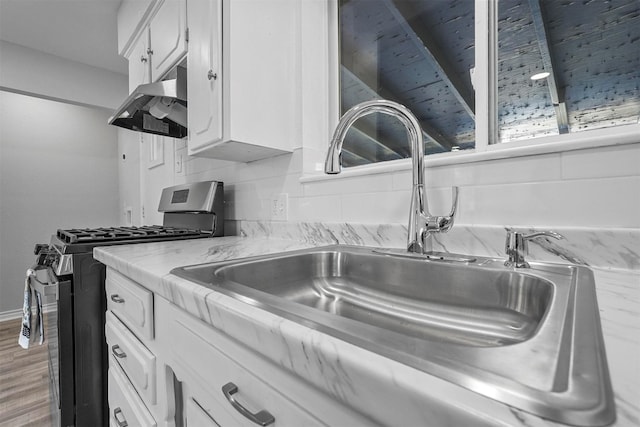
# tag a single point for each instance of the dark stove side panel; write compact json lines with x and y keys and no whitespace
{"x":64,"y":359}
{"x":90,"y":345}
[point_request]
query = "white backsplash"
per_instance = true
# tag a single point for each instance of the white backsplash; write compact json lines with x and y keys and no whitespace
{"x":611,"y":248}
{"x":591,"y":196}
{"x":592,"y":188}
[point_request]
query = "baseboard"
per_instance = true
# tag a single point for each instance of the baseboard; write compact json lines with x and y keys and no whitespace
{"x":16,"y":314}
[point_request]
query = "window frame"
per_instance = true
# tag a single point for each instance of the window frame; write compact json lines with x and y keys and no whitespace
{"x":487,"y":146}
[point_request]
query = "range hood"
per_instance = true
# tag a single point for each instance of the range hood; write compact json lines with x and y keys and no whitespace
{"x":159,"y":108}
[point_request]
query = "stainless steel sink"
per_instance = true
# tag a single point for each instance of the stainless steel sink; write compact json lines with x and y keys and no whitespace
{"x":529,"y":338}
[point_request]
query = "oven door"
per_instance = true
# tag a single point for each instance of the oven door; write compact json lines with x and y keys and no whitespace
{"x":59,"y":341}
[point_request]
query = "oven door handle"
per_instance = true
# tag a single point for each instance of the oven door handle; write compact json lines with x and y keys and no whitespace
{"x":45,"y":289}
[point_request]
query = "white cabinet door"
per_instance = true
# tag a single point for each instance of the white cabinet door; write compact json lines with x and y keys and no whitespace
{"x":204,"y":72}
{"x":134,"y":358}
{"x":232,"y":384}
{"x":132,"y":17}
{"x":131,"y":303}
{"x":139,"y":62}
{"x":197,"y":416}
{"x":248,"y":110}
{"x":125,"y":406}
{"x":168,"y":29}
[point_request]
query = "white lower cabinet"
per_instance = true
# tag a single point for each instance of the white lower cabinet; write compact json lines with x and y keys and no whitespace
{"x":198,"y":361}
{"x":227,"y":384}
{"x":140,"y":392}
{"x":168,"y":368}
{"x":125,"y":406}
{"x":197,"y":416}
{"x":138,"y":363}
{"x":131,"y":303}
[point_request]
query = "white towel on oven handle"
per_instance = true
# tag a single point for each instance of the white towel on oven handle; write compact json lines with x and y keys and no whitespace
{"x":30,"y":326}
{"x":25,"y":327}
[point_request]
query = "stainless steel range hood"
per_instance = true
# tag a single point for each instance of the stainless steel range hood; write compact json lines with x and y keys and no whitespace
{"x":159,"y":108}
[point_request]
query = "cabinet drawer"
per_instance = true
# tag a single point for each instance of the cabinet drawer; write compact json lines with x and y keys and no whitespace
{"x":197,"y":416}
{"x":125,"y":406}
{"x":135,"y":360}
{"x":248,"y":390}
{"x":197,"y":360}
{"x":131,"y":303}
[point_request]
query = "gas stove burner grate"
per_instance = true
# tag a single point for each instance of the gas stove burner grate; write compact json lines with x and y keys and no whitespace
{"x":110,"y":234}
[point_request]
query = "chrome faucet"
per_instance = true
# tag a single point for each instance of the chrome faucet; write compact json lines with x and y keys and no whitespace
{"x":516,"y":246}
{"x":421,"y":223}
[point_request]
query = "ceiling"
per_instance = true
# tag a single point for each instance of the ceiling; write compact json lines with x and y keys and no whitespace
{"x":84,"y":31}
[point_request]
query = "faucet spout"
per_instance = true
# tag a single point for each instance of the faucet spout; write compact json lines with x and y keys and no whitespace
{"x":421,"y":222}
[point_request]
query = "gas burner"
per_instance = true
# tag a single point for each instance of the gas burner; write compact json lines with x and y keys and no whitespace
{"x":110,"y":234}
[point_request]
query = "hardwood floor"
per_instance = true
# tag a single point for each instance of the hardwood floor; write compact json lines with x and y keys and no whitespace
{"x":24,"y":381}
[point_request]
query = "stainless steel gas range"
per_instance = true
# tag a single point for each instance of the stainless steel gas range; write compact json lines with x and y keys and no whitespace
{"x":78,"y":358}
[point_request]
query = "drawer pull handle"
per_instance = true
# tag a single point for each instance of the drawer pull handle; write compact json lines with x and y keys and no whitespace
{"x":263,"y":418}
{"x":122,"y":423}
{"x":117,"y":298}
{"x":117,"y":352}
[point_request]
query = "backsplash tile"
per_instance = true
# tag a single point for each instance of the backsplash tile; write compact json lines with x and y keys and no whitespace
{"x":591,"y":203}
{"x":379,"y":207}
{"x":595,"y":163}
{"x":539,"y":168}
{"x":320,"y":208}
{"x":350,"y":185}
{"x":614,"y":248}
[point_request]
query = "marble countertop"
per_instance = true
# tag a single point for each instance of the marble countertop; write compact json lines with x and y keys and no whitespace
{"x":353,"y":375}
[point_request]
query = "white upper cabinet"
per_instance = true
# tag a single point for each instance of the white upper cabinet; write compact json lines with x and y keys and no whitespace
{"x":139,"y":62}
{"x":132,"y":17}
{"x":242,"y":78}
{"x":242,"y":69}
{"x":168,"y":32}
{"x":204,"y":73}
{"x":152,"y":35}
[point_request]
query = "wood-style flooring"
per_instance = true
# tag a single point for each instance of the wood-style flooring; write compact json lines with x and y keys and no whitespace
{"x":24,"y":380}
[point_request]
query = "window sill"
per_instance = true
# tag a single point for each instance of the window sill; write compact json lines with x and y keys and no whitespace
{"x":621,"y":135}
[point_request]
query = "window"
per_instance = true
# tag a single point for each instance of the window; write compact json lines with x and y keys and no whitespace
{"x":420,"y":53}
{"x":417,"y":53}
{"x":566,"y":67}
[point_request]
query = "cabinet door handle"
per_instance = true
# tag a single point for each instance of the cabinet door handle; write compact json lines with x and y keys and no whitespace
{"x":117,"y":298}
{"x":143,"y":58}
{"x":211,"y":75}
{"x":263,"y":417}
{"x":117,"y":352}
{"x":117,"y":412}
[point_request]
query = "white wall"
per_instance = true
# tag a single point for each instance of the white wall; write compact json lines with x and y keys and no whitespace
{"x":58,"y":169}
{"x":154,"y":178}
{"x":129,"y":177}
{"x":29,"y":71}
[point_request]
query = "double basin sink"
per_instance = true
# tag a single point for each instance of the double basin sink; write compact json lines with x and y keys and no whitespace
{"x":529,"y":338}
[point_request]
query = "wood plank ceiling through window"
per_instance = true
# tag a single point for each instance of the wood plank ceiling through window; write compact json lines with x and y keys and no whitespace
{"x":419,"y":53}
{"x":387,"y":53}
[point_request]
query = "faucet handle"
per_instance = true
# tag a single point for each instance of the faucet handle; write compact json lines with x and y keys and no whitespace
{"x":444,"y":223}
{"x":516,"y":246}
